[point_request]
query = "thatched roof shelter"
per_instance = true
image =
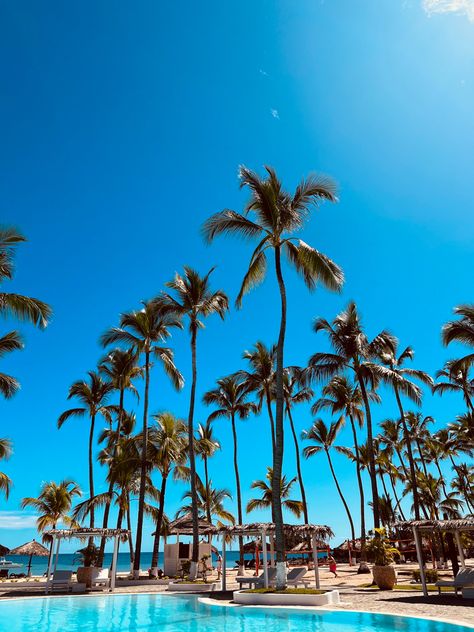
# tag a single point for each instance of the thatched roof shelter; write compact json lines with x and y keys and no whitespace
{"x":290,"y":530}
{"x":184,"y":526}
{"x":344,"y":546}
{"x":83,"y":533}
{"x":33,"y":549}
{"x":460,"y":524}
{"x":4,"y":550}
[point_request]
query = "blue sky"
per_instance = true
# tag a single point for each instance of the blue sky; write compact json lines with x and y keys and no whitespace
{"x":122,"y":129}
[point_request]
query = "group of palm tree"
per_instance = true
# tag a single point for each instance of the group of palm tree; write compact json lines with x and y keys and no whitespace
{"x":401,"y":457}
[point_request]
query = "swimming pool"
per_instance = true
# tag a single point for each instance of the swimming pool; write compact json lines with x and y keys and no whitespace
{"x":166,"y":613}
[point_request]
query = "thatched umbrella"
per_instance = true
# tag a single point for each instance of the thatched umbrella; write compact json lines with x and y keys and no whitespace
{"x":3,"y":550}
{"x":32,"y":548}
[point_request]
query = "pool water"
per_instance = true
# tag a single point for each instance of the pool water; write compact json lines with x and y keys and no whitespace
{"x":166,"y":613}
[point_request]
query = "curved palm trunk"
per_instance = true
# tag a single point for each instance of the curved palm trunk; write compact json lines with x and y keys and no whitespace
{"x":341,"y":495}
{"x":105,"y":520}
{"x":422,"y":458}
{"x":129,"y":527}
{"x":402,"y":463}
{"x":270,"y":417}
{"x":143,"y":464}
{"x":91,"y":471}
{"x":159,"y":520}
{"x":279,"y":435}
{"x":395,"y":495}
{"x":208,"y":503}
{"x":363,"y":548}
{"x":192,"y":460}
{"x":411,"y":461}
{"x":237,"y":486}
{"x":370,"y":444}
{"x":298,"y":466}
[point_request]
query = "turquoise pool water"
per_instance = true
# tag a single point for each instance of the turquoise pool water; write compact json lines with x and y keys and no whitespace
{"x":161,"y":613}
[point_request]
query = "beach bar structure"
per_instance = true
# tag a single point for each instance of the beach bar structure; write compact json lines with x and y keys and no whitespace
{"x":177,"y":552}
{"x":312,"y":532}
{"x":57,"y":535}
{"x":430,"y":527}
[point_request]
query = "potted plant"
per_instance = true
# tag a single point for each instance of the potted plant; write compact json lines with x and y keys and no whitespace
{"x":383,"y":554}
{"x":89,"y":557}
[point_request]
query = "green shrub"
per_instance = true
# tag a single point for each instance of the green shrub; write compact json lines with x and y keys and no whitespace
{"x":380,"y":550}
{"x":431,"y":575}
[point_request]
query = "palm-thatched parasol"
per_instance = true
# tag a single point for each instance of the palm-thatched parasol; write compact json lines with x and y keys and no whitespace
{"x":32,"y":548}
{"x":3,"y":550}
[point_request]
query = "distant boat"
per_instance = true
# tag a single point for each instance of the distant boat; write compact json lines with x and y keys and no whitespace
{"x":4,"y":563}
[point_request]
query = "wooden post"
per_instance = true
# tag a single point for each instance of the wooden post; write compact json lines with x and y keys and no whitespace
{"x":224,"y":575}
{"x":272,"y":551}
{"x":50,"y":563}
{"x":315,"y":561}
{"x":460,"y":549}
{"x":419,"y":555}
{"x":265,"y":560}
{"x":113,"y":570}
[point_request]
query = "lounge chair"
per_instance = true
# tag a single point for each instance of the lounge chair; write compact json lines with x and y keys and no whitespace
{"x":61,"y":580}
{"x":465,"y":577}
{"x":101,"y":579}
{"x":257,"y":582}
{"x":296,"y":575}
{"x":4,"y":573}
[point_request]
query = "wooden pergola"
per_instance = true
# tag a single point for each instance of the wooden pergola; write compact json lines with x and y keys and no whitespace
{"x":436,"y":526}
{"x":314,"y":532}
{"x":57,"y":535}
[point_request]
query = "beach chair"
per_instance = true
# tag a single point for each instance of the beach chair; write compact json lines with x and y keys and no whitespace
{"x":101,"y":579}
{"x":257,"y":582}
{"x":464,"y":578}
{"x":61,"y":580}
{"x":296,"y":575}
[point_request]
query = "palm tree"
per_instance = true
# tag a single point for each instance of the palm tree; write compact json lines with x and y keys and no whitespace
{"x":94,"y":395}
{"x":206,"y":445}
{"x":397,"y":377}
{"x":8,"y":343}
{"x":194,"y":299}
{"x":278,"y":217}
{"x":461,"y":330}
{"x":323,"y":438}
{"x":341,"y":396}
{"x":457,"y":380}
{"x":231,"y":399}
{"x":266,"y":499}
{"x":296,"y":393}
{"x":144,"y":331}
{"x":53,"y":504}
{"x":5,"y":480}
{"x":168,"y":446}
{"x":212,"y":498}
{"x":260,"y":379}
{"x":352,"y":350}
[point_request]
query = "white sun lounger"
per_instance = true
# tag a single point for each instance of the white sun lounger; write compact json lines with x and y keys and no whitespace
{"x":296,"y":575}
{"x":465,"y":577}
{"x":257,"y":582}
{"x":101,"y":579}
{"x":61,"y":580}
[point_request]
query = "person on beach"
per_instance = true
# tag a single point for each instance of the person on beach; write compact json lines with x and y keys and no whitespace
{"x":332,"y":565}
{"x":219,"y":567}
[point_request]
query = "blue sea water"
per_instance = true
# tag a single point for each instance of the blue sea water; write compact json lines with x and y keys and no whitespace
{"x":166,"y":613}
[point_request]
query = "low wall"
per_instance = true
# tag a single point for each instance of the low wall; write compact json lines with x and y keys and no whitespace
{"x":192,"y":587}
{"x":286,"y":599}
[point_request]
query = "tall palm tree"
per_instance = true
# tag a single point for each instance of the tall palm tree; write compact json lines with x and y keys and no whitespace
{"x":456,"y":380}
{"x":340,"y":396}
{"x":5,"y":480}
{"x":144,"y":331}
{"x":8,"y":343}
{"x":193,"y":299}
{"x":461,"y":330}
{"x":260,"y":379}
{"x":212,"y":497}
{"x":266,"y":499}
{"x":231,"y":399}
{"x":398,"y":378}
{"x":168,"y":445}
{"x":206,"y":445}
{"x":53,"y":504}
{"x":93,"y":395}
{"x":352,"y":350}
{"x":391,"y":437}
{"x":296,"y":393}
{"x":279,"y":215}
{"x":322,"y":438}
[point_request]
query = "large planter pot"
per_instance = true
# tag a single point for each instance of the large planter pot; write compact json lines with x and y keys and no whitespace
{"x":384,"y":577}
{"x":85,"y":574}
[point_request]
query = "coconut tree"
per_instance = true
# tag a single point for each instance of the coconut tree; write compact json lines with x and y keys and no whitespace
{"x":278,"y":216}
{"x":53,"y":504}
{"x":391,"y":437}
{"x":5,"y":480}
{"x":212,"y":498}
{"x":322,"y":438}
{"x":144,"y":331}
{"x":193,"y":298}
{"x":461,"y":330}
{"x":8,"y":343}
{"x":353,"y":351}
{"x":94,"y":395}
{"x":456,"y":379}
{"x":168,"y":445}
{"x":266,"y":499}
{"x":206,"y":445}
{"x":231,"y":401}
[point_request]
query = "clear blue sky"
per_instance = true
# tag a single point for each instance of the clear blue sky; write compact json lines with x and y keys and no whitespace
{"x":122,"y":127}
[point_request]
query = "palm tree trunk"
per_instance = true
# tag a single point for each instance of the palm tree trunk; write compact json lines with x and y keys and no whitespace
{"x":341,"y":495}
{"x":192,"y":462}
{"x":91,"y":471}
{"x":270,"y":417}
{"x":363,"y":549}
{"x":105,"y":520}
{"x":411,"y":461}
{"x":395,"y":495}
{"x":129,"y":527}
{"x":237,"y":486}
{"x":143,"y":467}
{"x":402,"y":463}
{"x":298,"y":466}
{"x":159,"y":520}
{"x":370,"y":445}
{"x":279,"y":435}
{"x":422,"y":458}
{"x":208,"y":504}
